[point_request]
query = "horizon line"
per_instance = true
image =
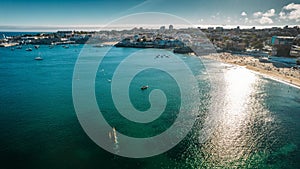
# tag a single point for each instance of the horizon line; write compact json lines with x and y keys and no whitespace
{"x":51,"y":28}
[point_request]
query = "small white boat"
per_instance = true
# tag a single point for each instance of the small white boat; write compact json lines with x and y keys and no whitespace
{"x":38,"y":58}
{"x":36,"y":46}
{"x":144,"y":87}
{"x":28,"y":49}
{"x":264,"y":59}
{"x":99,"y":46}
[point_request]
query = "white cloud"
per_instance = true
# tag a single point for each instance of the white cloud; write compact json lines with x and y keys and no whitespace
{"x":244,"y":14}
{"x":269,"y":13}
{"x":257,"y":14}
{"x":246,"y":20}
{"x":265,"y":20}
{"x":228,"y":19}
{"x":281,"y":15}
{"x":290,"y":12}
{"x":291,"y":6}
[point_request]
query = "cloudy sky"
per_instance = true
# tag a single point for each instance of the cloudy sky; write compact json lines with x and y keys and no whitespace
{"x":20,"y":13}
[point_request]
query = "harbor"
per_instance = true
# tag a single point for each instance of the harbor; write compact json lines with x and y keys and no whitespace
{"x":38,"y":120}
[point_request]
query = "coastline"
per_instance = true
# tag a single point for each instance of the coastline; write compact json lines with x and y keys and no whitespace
{"x":284,"y":75}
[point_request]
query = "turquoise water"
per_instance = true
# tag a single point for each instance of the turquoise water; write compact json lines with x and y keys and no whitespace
{"x":257,"y":118}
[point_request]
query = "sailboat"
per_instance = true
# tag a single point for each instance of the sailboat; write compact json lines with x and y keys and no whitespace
{"x":38,"y":57}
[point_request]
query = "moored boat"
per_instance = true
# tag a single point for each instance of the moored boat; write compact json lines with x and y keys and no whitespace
{"x":144,"y":87}
{"x":264,"y":59}
{"x":38,"y":58}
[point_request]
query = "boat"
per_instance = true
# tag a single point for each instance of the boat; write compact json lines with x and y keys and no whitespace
{"x":264,"y":59}
{"x":99,"y":46}
{"x":28,"y":49}
{"x":65,"y":46}
{"x":38,"y":58}
{"x":144,"y":87}
{"x":36,"y":46}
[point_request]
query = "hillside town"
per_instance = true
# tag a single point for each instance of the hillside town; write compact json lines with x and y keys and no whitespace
{"x":271,"y":41}
{"x":276,"y":41}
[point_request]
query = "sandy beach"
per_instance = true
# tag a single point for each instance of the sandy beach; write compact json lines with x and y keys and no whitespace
{"x":288,"y":75}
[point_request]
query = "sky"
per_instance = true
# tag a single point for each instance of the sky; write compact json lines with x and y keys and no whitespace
{"x":29,"y":14}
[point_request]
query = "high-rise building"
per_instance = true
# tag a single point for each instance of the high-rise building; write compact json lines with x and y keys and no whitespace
{"x":162,"y":28}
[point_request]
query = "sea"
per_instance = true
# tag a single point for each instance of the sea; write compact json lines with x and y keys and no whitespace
{"x":254,"y":121}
